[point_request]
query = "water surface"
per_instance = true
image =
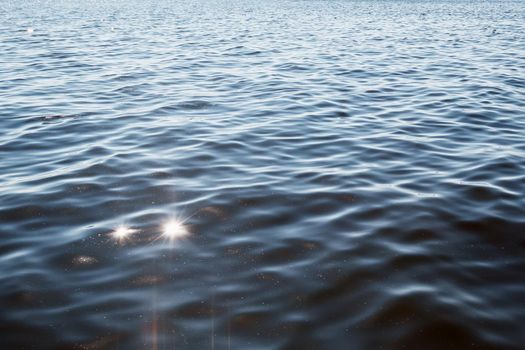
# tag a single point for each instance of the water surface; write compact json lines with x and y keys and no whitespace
{"x":348,"y":174}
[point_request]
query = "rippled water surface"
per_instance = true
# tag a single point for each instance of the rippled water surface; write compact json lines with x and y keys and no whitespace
{"x":262,"y":174}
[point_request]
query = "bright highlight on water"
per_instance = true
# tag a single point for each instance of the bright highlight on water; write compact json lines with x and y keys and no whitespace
{"x":174,"y":229}
{"x":171,"y":231}
{"x":122,"y":233}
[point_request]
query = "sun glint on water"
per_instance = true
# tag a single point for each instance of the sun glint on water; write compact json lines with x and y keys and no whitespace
{"x":173,"y":230}
{"x":122,"y":232}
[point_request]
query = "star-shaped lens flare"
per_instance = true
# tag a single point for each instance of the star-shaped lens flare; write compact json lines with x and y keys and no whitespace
{"x":121,"y":233}
{"x":174,"y":229}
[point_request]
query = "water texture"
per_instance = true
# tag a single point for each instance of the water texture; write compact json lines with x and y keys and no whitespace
{"x":345,"y":174}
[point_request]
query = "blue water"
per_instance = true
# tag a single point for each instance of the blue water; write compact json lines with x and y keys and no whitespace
{"x":262,"y":174}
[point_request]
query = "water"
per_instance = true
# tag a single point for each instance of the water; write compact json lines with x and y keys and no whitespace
{"x":339,"y":174}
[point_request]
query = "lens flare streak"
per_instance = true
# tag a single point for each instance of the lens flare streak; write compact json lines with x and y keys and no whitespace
{"x":122,"y":232}
{"x":173,"y":230}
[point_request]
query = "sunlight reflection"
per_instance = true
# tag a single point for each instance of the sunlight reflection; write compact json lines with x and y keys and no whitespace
{"x":121,"y":233}
{"x":173,"y":230}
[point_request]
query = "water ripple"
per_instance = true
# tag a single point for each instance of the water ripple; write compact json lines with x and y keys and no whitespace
{"x":262,"y":175}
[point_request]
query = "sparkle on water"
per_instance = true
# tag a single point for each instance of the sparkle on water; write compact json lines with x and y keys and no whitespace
{"x":174,"y":229}
{"x":122,"y":232}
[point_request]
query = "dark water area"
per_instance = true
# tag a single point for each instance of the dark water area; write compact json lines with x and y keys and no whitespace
{"x":262,"y":174}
